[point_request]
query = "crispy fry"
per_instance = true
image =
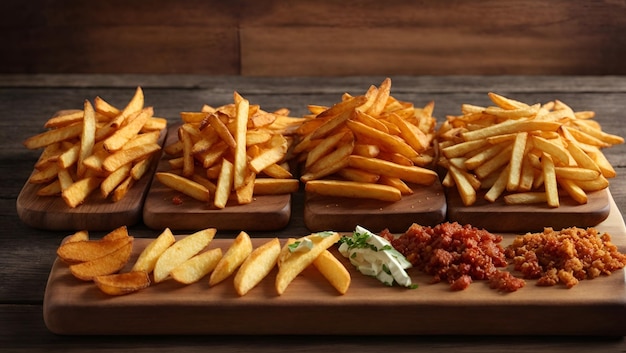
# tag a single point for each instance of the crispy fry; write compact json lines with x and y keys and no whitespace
{"x":181,"y":251}
{"x":257,"y":266}
{"x":296,"y":262}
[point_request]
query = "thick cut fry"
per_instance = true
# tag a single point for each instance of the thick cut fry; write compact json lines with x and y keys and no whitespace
{"x":339,"y":113}
{"x":296,"y":262}
{"x":87,"y":250}
{"x":415,"y":174}
{"x":322,"y":149}
{"x":271,"y":186}
{"x":362,"y":176}
{"x":105,"y":265}
{"x":354,"y":189}
{"x":549,"y":181}
{"x":270,"y":156}
{"x":236,"y":254}
{"x":525,"y":198}
{"x":122,"y":157}
{"x":181,"y":251}
{"x":64,"y":118}
{"x":257,"y":266}
{"x":240,"y":162}
{"x":184,"y":185}
{"x":55,"y":135}
{"x":386,"y":141}
{"x":88,"y":136}
{"x":76,"y":193}
{"x":465,"y":188}
{"x":517,"y":159}
{"x":121,"y":136}
{"x":224,"y":184}
{"x":194,"y":269}
{"x":510,"y":126}
{"x":222,"y":131}
{"x":114,"y":179}
{"x":122,"y":189}
{"x":150,"y":254}
{"x":122,"y":283}
{"x":334,"y":271}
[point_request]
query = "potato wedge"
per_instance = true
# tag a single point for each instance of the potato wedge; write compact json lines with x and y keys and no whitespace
{"x":197,"y":267}
{"x":87,"y":250}
{"x":334,"y":271}
{"x":105,"y":265}
{"x":148,"y":257}
{"x":257,"y":266}
{"x":122,"y":283}
{"x":180,"y":252}
{"x":297,"y":261}
{"x":236,"y":254}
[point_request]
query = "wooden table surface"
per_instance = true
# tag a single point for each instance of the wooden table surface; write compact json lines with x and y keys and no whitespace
{"x":26,"y":254}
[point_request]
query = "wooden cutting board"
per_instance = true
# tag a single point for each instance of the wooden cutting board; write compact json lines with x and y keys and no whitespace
{"x":499,"y":217}
{"x":426,"y":206}
{"x":95,"y":214}
{"x":310,"y":306}
{"x":265,"y":212}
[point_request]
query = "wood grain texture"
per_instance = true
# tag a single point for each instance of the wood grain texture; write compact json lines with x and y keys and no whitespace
{"x":314,"y":38}
{"x":596,"y":307}
{"x":264,"y":213}
{"x":427,"y":206}
{"x":27,"y":254}
{"x":95,"y":214}
{"x":500,"y":217}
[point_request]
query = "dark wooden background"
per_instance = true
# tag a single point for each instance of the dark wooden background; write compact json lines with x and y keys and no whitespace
{"x":314,"y":38}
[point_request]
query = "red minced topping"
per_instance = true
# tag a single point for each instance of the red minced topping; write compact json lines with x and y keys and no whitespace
{"x":456,"y":254}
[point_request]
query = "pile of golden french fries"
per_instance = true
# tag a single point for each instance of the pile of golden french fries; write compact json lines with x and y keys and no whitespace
{"x":189,"y":259}
{"x":367,"y":146}
{"x":99,"y":146}
{"x":233,"y":152}
{"x":528,"y":153}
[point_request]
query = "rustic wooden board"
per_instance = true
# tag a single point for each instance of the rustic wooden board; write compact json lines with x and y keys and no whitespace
{"x":426,"y":206}
{"x":311,"y":306}
{"x":96,"y":213}
{"x":499,"y":217}
{"x":265,"y":212}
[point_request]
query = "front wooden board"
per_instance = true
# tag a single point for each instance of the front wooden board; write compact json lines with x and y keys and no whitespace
{"x":499,"y":217}
{"x":265,"y":212}
{"x":96,"y":213}
{"x":426,"y":206}
{"x":310,"y":306}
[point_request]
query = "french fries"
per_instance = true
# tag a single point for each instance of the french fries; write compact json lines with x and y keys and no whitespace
{"x":295,"y":261}
{"x":234,"y":150}
{"x":98,"y":147}
{"x":181,"y":251}
{"x":369,"y":143}
{"x":525,"y":153}
{"x":188,"y":260}
{"x":122,"y":283}
{"x":256,"y":266}
{"x":232,"y":259}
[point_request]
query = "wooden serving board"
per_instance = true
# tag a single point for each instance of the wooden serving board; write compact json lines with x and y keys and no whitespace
{"x":499,"y":217}
{"x":426,"y":206}
{"x":310,"y":306}
{"x":96,"y":213}
{"x":265,"y":212}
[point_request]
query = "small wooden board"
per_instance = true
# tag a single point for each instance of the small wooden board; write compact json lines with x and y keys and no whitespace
{"x":95,"y":214}
{"x":310,"y":306}
{"x":499,"y":217}
{"x":265,"y":212}
{"x":426,"y":206}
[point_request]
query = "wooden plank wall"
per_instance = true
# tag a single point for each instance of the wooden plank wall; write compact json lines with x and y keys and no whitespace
{"x":314,"y":37}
